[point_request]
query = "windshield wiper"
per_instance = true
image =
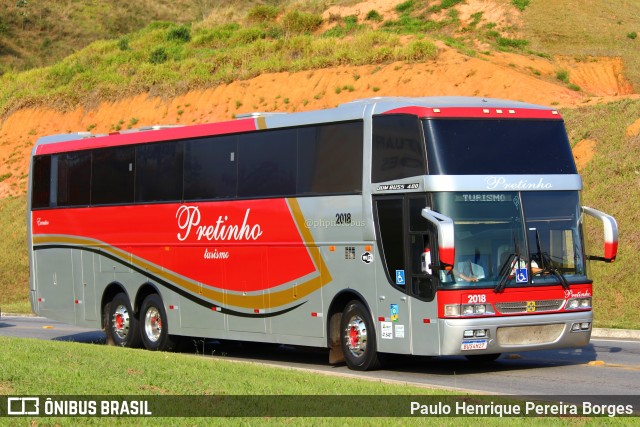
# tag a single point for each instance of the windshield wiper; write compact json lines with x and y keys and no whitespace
{"x":506,"y":267}
{"x":546,"y":264}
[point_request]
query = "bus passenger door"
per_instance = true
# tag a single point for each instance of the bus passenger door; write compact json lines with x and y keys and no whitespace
{"x":421,"y":249}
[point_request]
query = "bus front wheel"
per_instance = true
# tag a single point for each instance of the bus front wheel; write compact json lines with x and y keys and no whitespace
{"x":154,"y":325}
{"x":122,"y":324}
{"x":358,"y":338}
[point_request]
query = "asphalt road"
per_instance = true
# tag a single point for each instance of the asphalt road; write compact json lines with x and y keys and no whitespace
{"x":603,"y":369}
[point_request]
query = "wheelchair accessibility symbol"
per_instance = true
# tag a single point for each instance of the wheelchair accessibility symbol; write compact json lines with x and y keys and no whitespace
{"x":522,"y":275}
{"x":399,"y":277}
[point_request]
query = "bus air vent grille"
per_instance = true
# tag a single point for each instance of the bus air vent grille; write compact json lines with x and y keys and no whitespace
{"x":529,"y":306}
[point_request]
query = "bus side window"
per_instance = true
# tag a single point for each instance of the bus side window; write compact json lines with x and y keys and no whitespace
{"x":389,"y":213}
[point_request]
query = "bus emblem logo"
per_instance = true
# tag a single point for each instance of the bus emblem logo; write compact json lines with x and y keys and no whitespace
{"x":531,"y":306}
{"x":367,"y":258}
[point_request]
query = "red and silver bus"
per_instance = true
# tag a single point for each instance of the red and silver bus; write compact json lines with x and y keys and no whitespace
{"x":422,"y":226}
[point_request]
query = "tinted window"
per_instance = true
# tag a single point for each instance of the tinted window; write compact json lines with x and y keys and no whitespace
{"x":41,"y":181}
{"x":74,"y":179}
{"x":398,"y":151}
{"x":479,"y":147}
{"x":211,"y":168}
{"x":159,"y":172}
{"x":330,"y":159}
{"x":389,"y":215}
{"x":113,"y":176}
{"x":267,"y":163}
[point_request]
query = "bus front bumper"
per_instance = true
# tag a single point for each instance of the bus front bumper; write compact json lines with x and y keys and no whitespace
{"x":517,"y":333}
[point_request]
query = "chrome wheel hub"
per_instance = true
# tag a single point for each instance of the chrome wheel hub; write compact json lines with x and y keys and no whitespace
{"x":356,"y":336}
{"x":153,"y":324}
{"x":121,"y":322}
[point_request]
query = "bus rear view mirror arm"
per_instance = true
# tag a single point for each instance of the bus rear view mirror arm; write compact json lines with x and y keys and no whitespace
{"x":444,"y":225}
{"x":610,"y":234}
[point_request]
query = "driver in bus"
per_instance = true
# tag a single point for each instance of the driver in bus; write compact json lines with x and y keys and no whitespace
{"x":468,"y":271}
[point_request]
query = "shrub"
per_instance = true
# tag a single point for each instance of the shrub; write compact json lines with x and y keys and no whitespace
{"x":633,"y":35}
{"x":297,"y":22}
{"x":405,"y":7}
{"x":123,"y":44}
{"x":180,"y":34}
{"x":512,"y":43}
{"x":263,"y":13}
{"x":158,"y":56}
{"x":520,"y":4}
{"x":373,"y":15}
{"x":420,"y":50}
{"x":563,"y":76}
{"x":351,"y":21}
{"x":444,"y":4}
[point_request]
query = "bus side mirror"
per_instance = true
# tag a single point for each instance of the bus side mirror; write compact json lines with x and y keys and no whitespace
{"x":610,"y":234}
{"x":444,"y":225}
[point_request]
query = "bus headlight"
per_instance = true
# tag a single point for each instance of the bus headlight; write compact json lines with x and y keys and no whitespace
{"x":456,"y":310}
{"x":578,"y":304}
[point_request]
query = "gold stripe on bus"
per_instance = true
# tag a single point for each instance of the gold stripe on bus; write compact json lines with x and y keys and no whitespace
{"x":261,"y":122}
{"x":308,"y":237}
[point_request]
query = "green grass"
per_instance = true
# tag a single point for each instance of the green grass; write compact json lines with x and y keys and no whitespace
{"x":586,"y":28}
{"x":611,"y":185}
{"x":43,"y":32}
{"x":35,"y":367}
{"x":161,"y":57}
{"x":14,"y":262}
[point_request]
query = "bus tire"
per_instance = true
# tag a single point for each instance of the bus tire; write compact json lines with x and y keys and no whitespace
{"x":154,"y":325}
{"x":122,"y":323}
{"x":358,"y":338}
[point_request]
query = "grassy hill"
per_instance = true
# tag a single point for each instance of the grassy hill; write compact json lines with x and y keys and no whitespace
{"x":109,"y":51}
{"x":40,"y":33}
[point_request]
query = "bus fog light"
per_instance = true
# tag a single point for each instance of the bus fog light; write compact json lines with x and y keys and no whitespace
{"x":575,"y":327}
{"x":481,"y":333}
{"x":468,"y":333}
{"x":585,"y":326}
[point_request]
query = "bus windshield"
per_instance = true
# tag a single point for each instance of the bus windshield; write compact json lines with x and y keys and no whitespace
{"x":505,"y":239}
{"x":493,"y":146}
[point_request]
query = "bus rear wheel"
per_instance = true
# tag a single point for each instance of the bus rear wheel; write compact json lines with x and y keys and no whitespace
{"x":122,"y":324}
{"x":154,"y":325}
{"x":358,"y":338}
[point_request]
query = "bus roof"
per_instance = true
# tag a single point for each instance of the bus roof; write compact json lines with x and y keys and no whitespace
{"x":425,"y":107}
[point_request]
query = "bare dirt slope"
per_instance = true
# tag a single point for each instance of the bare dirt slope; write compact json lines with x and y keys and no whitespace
{"x":498,"y":75}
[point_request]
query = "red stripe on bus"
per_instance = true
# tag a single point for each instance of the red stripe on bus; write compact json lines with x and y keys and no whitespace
{"x":510,"y":295}
{"x":244,"y":246}
{"x":168,"y":134}
{"x":478,"y":112}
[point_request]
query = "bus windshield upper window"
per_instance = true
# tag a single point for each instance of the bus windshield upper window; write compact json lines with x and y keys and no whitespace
{"x":490,"y":146}
{"x":398,"y":151}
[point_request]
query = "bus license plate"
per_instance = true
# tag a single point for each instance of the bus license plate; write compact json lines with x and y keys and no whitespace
{"x":474,"y":345}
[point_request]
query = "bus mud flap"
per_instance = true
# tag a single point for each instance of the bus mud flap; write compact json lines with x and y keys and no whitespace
{"x":335,"y":345}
